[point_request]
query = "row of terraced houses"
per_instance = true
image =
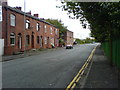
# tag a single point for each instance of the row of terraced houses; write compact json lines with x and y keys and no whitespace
{"x":22,"y":31}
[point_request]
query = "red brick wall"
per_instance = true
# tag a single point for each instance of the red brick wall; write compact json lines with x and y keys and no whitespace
{"x":19,"y":29}
{"x":69,"y":38}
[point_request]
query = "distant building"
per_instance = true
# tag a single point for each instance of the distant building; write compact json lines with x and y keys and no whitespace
{"x":68,"y":37}
{"x":21,"y":31}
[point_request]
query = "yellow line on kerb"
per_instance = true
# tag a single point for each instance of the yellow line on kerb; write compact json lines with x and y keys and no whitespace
{"x":81,"y":71}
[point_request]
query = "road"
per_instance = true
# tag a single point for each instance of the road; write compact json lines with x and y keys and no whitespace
{"x":50,"y":69}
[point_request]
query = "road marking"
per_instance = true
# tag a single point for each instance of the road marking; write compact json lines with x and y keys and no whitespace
{"x":73,"y":86}
{"x":81,"y":71}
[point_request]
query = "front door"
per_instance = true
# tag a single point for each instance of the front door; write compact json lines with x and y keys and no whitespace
{"x":20,"y":42}
{"x":48,"y":42}
{"x":32,"y":41}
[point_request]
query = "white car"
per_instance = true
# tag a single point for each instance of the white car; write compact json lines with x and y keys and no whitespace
{"x":69,"y":47}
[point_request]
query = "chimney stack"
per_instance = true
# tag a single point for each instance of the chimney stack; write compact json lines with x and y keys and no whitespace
{"x":36,"y":15}
{"x":4,"y":3}
{"x":19,"y":8}
{"x":42,"y":18}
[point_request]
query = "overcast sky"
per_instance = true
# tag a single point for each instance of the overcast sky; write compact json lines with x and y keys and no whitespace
{"x":47,"y":9}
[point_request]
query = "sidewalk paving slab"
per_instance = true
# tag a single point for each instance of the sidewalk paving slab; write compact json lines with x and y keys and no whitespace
{"x":101,"y":74}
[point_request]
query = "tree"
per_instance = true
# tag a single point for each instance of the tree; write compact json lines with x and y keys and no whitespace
{"x":78,"y":41}
{"x":103,"y":18}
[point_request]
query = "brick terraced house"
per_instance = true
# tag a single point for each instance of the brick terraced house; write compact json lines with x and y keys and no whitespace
{"x":21,"y":31}
{"x":68,"y":37}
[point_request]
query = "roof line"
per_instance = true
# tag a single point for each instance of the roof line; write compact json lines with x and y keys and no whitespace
{"x":23,"y":13}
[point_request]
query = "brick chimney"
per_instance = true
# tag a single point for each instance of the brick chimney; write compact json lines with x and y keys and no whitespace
{"x":42,"y":18}
{"x":36,"y":15}
{"x":4,"y":3}
{"x":19,"y":8}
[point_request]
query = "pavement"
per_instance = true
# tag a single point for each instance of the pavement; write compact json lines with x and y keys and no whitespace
{"x":100,"y":74}
{"x":26,"y":54}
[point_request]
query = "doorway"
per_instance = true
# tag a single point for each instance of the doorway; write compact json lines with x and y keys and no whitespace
{"x":19,"y":41}
{"x":32,"y":41}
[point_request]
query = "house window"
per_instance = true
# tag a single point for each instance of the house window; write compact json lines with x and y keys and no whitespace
{"x":45,"y":28}
{"x":56,"y":31}
{"x":12,"y":20}
{"x":37,"y":26}
{"x":41,"y":41}
{"x":51,"y":30}
{"x":27,"y":39}
{"x":38,"y":40}
{"x":45,"y":40}
{"x":51,"y":40}
{"x":12,"y":39}
{"x":27,"y":24}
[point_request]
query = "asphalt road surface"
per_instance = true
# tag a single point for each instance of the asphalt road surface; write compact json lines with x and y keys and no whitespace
{"x":50,"y":69}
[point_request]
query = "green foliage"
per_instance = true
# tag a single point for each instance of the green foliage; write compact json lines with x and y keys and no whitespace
{"x":103,"y":17}
{"x":87,"y":40}
{"x":78,"y":41}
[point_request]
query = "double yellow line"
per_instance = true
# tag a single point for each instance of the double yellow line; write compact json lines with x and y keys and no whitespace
{"x":74,"y":82}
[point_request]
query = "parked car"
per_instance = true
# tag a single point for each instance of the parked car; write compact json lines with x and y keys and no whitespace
{"x":69,"y":47}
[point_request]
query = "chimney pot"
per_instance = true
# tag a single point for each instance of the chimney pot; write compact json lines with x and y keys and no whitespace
{"x":4,"y":3}
{"x":19,"y":8}
{"x":42,"y":18}
{"x":36,"y":15}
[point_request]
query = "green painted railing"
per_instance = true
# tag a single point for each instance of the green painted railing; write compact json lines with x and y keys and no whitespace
{"x":115,"y":51}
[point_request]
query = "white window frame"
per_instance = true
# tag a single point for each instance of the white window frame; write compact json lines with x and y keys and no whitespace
{"x":51,"y":30}
{"x":45,"y":40}
{"x":52,"y":40}
{"x":12,"y":36}
{"x":45,"y":28}
{"x":27,"y":26}
{"x":0,"y":13}
{"x":12,"y":19}
{"x":41,"y":41}
{"x":56,"y":31}
{"x":37,"y":26}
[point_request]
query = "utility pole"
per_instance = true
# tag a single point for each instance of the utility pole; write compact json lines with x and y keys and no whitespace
{"x":24,"y":27}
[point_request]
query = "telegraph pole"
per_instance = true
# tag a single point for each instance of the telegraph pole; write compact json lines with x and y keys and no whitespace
{"x":24,"y":27}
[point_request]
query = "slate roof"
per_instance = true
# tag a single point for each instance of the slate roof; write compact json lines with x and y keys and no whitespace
{"x":28,"y":15}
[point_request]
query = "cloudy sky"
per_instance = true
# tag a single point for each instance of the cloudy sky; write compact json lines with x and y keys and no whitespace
{"x":47,"y":9}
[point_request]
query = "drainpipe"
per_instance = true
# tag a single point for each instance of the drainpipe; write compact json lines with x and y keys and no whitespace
{"x":6,"y":27}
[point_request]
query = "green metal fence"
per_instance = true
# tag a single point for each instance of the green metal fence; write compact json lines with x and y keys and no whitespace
{"x":115,"y":51}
